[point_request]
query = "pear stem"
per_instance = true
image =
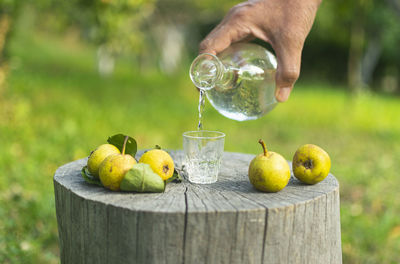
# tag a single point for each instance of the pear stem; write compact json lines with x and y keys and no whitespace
{"x":263,"y":146}
{"x":124,"y":146}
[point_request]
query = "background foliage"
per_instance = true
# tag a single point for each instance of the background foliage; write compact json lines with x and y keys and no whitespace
{"x":74,"y":72}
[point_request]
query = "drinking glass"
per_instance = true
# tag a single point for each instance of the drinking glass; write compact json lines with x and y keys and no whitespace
{"x":203,"y":151}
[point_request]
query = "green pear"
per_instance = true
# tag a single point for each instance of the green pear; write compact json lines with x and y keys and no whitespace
{"x":113,"y":169}
{"x":311,"y":164}
{"x":98,"y":156}
{"x":269,"y":171}
{"x":141,"y":178}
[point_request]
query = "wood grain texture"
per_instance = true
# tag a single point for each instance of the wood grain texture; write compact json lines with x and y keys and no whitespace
{"x":225,"y":222}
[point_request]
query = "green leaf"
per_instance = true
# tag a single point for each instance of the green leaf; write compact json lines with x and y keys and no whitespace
{"x":141,"y":178}
{"x":157,"y":147}
{"x":118,"y":141}
{"x":89,"y":178}
{"x":176,"y":177}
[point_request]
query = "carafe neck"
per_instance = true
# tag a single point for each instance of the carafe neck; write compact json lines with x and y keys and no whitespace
{"x":207,"y":71}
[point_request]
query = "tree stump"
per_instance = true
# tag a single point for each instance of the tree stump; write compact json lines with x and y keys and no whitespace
{"x":225,"y":222}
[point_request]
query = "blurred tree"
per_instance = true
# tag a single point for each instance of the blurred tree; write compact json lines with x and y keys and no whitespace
{"x":162,"y":33}
{"x":115,"y":26}
{"x":368,"y":28}
{"x":178,"y":26}
{"x":8,"y":12}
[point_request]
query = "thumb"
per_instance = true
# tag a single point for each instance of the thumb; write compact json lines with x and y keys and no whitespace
{"x":288,"y":71}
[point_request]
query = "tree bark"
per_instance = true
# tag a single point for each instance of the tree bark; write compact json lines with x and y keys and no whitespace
{"x":5,"y":21}
{"x":395,"y":6}
{"x":355,"y":56}
{"x":371,"y":58}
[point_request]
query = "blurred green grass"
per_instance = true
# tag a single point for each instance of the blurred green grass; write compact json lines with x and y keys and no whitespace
{"x":56,"y":109}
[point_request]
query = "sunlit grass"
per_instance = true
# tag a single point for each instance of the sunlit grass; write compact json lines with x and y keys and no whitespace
{"x":56,"y":109}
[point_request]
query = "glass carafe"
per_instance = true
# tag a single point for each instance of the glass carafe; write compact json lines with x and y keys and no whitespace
{"x":239,"y":82}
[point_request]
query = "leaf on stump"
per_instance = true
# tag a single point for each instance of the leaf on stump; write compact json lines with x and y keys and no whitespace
{"x":176,"y":177}
{"x":141,"y":178}
{"x":118,"y":141}
{"x":89,"y":178}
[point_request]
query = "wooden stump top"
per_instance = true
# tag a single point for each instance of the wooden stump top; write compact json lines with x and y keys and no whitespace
{"x":224,"y":222}
{"x":231,"y":193}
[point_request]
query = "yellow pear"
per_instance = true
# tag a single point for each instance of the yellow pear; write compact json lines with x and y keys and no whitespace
{"x":98,"y":156}
{"x":269,"y":171}
{"x":113,"y":169}
{"x":311,"y":164}
{"x":160,"y":162}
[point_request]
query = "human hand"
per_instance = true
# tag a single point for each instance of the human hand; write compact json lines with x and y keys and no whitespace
{"x":284,"y":24}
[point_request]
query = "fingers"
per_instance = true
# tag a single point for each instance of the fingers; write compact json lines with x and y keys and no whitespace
{"x":288,"y":71}
{"x":248,"y":20}
{"x":233,"y":28}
